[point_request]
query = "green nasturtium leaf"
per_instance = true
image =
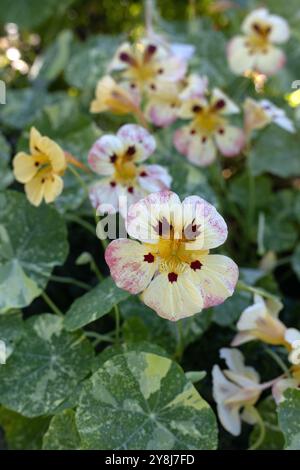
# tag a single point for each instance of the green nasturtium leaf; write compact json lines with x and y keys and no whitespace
{"x":276,"y":151}
{"x":31,"y":13}
{"x":32,"y":242}
{"x":62,"y":433}
{"x":143,"y":401}
{"x":229,"y":312}
{"x":52,"y":62}
{"x":274,"y":439}
{"x":5,"y":172}
{"x":289,"y":419}
{"x":89,"y":61}
{"x":22,"y":433}
{"x":94,"y":304}
{"x":45,"y":367}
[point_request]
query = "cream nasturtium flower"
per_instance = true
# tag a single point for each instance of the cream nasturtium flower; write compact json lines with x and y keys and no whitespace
{"x":113,"y":97}
{"x":209,"y":129}
{"x":258,"y":114}
{"x":260,"y":321}
{"x":169,"y":261}
{"x":292,"y":336}
{"x":163,"y":103}
{"x":236,"y":390}
{"x":119,"y":159}
{"x":255,"y":49}
{"x":144,"y":63}
{"x":41,"y":170}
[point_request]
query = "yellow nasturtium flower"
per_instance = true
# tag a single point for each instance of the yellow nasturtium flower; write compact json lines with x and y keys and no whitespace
{"x":41,"y":170}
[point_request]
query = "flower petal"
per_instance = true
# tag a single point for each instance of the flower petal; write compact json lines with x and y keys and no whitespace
{"x":35,"y":190}
{"x":104,"y":150}
{"x":239,"y":57}
{"x":160,"y":113}
{"x":230,"y":140}
{"x":53,"y":187}
{"x":199,"y":149}
{"x":104,"y":196}
{"x":128,"y":266}
{"x":173,"y":300}
{"x":229,"y":107}
{"x":173,"y":69}
{"x":43,"y":145}
{"x":154,"y":178}
{"x":210,"y":224}
{"x":24,"y":167}
{"x":236,"y":363}
{"x":270,"y":62}
{"x":137,"y":136}
{"x":216,"y":279}
{"x":183,"y":51}
{"x":222,"y":389}
{"x":144,"y":216}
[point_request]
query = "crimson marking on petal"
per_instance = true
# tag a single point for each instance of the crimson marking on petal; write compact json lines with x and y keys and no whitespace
{"x":151,"y":49}
{"x":204,"y":139}
{"x":131,"y":150}
{"x":130,"y":189}
{"x":124,"y":57}
{"x":113,"y":158}
{"x":196,"y":108}
{"x":220,"y":104}
{"x":152,"y":86}
{"x":221,"y":131}
{"x":160,"y":71}
{"x":113,"y":184}
{"x":143,"y":173}
{"x":172,"y":277}
{"x":192,"y":131}
{"x":149,"y":258}
{"x":196,"y":265}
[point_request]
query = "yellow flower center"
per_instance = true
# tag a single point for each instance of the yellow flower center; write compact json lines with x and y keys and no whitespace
{"x":125,"y":167}
{"x":258,"y":41}
{"x":207,"y":119}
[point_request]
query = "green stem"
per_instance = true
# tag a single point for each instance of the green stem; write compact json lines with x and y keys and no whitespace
{"x":83,"y":223}
{"x":98,"y":337}
{"x":262,"y":431}
{"x":96,"y":270}
{"x":180,"y":342}
{"x":70,"y":280}
{"x":251,"y":201}
{"x":51,"y":304}
{"x":278,"y":361}
{"x":254,"y":290}
{"x":104,"y":241}
{"x":117,"y":319}
{"x":79,"y":179}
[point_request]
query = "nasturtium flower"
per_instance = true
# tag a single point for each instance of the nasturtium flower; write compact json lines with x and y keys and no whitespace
{"x":256,"y":49}
{"x":144,"y":63}
{"x":119,"y":159}
{"x":41,"y":171}
{"x":292,"y":336}
{"x":236,"y":390}
{"x":209,"y":129}
{"x":113,"y":97}
{"x":258,"y":114}
{"x":163,"y":103}
{"x":260,"y":321}
{"x":169,"y":261}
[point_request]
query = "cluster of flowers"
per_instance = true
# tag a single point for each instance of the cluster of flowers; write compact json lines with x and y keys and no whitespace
{"x":237,"y":389}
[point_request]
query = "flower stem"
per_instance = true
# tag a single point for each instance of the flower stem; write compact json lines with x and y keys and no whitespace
{"x":51,"y":304}
{"x":180,"y":342}
{"x":254,"y":290}
{"x":70,"y":280}
{"x":98,"y":337}
{"x":79,"y":179}
{"x":82,"y":222}
{"x":262,"y":431}
{"x":251,"y":201}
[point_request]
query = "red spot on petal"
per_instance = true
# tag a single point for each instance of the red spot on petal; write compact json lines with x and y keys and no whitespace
{"x":196,"y":265}
{"x":172,"y":277}
{"x":149,"y":258}
{"x":131,"y":150}
{"x":113,"y":158}
{"x":130,"y":189}
{"x":204,"y":139}
{"x":196,"y":108}
{"x":113,"y":184}
{"x":192,"y":132}
{"x":220,"y":104}
{"x":221,"y":131}
{"x":143,"y":173}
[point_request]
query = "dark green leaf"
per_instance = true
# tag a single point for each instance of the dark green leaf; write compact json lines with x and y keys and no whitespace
{"x":62,"y":433}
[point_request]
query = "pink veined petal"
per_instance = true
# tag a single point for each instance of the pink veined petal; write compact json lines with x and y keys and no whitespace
{"x":230,"y":140}
{"x":101,"y":153}
{"x":181,"y":140}
{"x":130,"y":195}
{"x":137,"y":136}
{"x":144,"y":216}
{"x":104,"y":196}
{"x":173,"y":300}
{"x":270,"y":62}
{"x":154,"y":178}
{"x":201,"y":150}
{"x":128,"y":266}
{"x":161,"y":114}
{"x":238,"y":55}
{"x":211,"y":229}
{"x":216,"y":279}
{"x":173,"y":69}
